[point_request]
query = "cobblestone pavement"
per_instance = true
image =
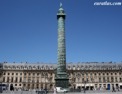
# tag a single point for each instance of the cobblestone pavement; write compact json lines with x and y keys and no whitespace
{"x":87,"y":92}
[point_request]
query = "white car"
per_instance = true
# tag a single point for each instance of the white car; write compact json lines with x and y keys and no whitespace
{"x":60,"y":89}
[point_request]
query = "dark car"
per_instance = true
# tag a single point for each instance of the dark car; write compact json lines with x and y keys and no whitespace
{"x":41,"y":92}
{"x":1,"y":89}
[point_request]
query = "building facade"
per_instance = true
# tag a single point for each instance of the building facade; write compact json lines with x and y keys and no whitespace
{"x":91,"y":75}
{"x":1,"y":71}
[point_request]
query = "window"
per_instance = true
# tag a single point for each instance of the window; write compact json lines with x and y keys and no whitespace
{"x":37,"y":86}
{"x":99,"y":73}
{"x":16,"y":73}
{"x":37,"y":79}
{"x":78,"y":75}
{"x":24,"y":73}
{"x":104,"y":85}
{"x":87,"y":79}
{"x":16,"y":79}
{"x":95,"y":74}
{"x":99,"y":79}
{"x":46,"y":74}
{"x":100,"y":85}
{"x":74,"y":79}
{"x":96,"y":85}
{"x":20,"y":73}
{"x":12,"y":79}
{"x":91,"y":74}
{"x":3,"y":79}
{"x":33,"y":79}
{"x":120,"y":79}
{"x":8,"y":73}
{"x":38,"y":67}
{"x":29,"y":74}
{"x":42,"y":74}
{"x":19,"y":84}
{"x":116,"y":79}
{"x":12,"y":73}
{"x":78,"y":79}
{"x":91,"y":79}
{"x":107,"y":79}
{"x":82,"y":74}
{"x":15,"y":84}
{"x":7,"y":79}
{"x":103,"y":79}
{"x":20,"y":79}
{"x":50,"y":74}
{"x":4,"y":73}
{"x":82,"y":79}
{"x":24,"y":79}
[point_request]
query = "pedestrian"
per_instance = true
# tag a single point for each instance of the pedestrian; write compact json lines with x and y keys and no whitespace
{"x":55,"y":90}
{"x":84,"y":90}
{"x":117,"y":88}
{"x":113,"y":89}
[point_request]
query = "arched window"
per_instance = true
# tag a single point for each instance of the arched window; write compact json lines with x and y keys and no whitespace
{"x":20,"y":79}
{"x":16,"y":79}
{"x":38,"y":67}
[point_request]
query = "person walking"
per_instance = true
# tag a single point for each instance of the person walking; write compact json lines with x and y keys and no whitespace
{"x":55,"y":90}
{"x":84,"y":90}
{"x":117,"y":88}
{"x":113,"y":89}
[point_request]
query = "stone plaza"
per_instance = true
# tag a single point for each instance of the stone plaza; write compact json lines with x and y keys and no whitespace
{"x":87,"y":92}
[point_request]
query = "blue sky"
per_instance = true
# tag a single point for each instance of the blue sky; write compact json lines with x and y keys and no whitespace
{"x":28,"y":31}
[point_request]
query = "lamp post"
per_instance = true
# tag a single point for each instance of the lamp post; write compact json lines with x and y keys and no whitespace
{"x":84,"y":86}
{"x":45,"y":82}
{"x":85,"y":81}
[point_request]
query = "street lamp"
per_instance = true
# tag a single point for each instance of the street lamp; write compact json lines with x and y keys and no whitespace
{"x":85,"y":85}
{"x":85,"y":81}
{"x":45,"y":81}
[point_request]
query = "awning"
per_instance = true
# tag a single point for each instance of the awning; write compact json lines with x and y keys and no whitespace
{"x":120,"y":83}
{"x":84,"y":85}
{"x":78,"y":85}
{"x":88,"y":85}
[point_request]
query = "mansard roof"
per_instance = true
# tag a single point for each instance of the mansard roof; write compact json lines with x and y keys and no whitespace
{"x":28,"y":66}
{"x":70,"y":66}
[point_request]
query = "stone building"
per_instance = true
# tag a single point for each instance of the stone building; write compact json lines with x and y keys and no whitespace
{"x":91,"y":75}
{"x":1,"y":68}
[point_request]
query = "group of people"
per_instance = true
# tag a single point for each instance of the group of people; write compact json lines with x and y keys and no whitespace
{"x":114,"y":90}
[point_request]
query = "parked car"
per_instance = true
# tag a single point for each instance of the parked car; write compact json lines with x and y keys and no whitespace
{"x":60,"y":89}
{"x":1,"y":89}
